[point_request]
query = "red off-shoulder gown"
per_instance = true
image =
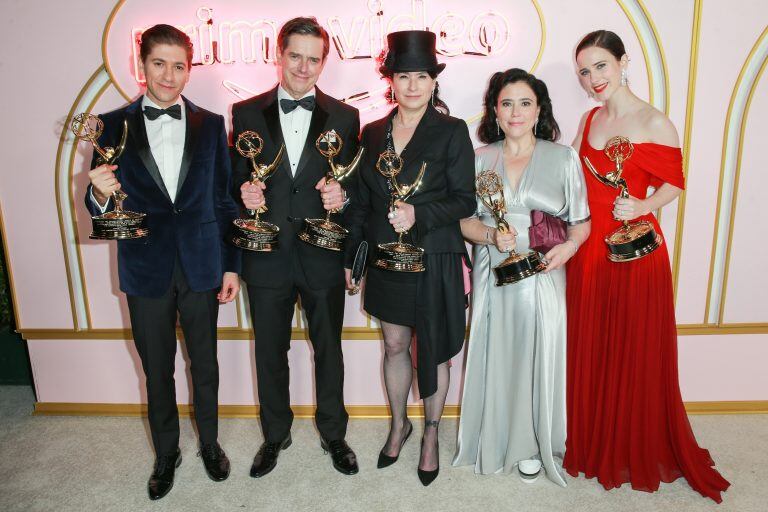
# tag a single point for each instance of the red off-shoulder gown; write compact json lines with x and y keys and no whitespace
{"x":626,"y":419}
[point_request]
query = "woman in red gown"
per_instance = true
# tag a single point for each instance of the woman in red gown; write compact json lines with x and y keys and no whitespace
{"x":626,"y":419}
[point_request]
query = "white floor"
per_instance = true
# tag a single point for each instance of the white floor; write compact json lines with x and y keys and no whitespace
{"x":101,"y":464}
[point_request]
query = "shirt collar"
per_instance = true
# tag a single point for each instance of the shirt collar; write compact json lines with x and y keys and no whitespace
{"x":282,"y":94}
{"x":146,"y":102}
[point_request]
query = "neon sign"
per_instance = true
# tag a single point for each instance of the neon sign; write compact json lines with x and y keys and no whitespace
{"x":360,"y":37}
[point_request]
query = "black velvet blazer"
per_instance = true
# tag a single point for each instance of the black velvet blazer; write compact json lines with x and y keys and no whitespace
{"x":192,"y":228}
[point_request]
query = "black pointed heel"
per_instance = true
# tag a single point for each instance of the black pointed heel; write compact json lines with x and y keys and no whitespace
{"x":428,"y":476}
{"x":387,"y":460}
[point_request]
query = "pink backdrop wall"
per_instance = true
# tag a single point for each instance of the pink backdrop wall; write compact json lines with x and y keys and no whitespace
{"x":64,"y":286}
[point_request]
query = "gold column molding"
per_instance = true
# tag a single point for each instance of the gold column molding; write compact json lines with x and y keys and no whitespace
{"x":736,"y":120}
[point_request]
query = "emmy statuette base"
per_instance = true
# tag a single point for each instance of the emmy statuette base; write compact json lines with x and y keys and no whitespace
{"x":254,"y":235}
{"x":633,"y":242}
{"x":517,"y":267}
{"x":119,"y":225}
{"x":323,"y":233}
{"x":400,"y":257}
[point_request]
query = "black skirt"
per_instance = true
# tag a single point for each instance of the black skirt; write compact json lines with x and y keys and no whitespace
{"x":432,"y":302}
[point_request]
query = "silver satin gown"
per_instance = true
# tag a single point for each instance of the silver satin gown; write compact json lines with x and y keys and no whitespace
{"x":513,"y":404}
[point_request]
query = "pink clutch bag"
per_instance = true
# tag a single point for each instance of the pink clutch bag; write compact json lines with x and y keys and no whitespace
{"x":546,"y":231}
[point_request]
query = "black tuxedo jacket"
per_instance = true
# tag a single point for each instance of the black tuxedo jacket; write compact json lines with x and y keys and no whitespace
{"x":291,"y":199}
{"x":446,"y":195}
{"x":192,"y":228}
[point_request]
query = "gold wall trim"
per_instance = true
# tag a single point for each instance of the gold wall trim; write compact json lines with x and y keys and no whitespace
{"x":104,"y":37}
{"x":736,"y":407}
{"x":689,"y":105}
{"x":355,"y":411}
{"x":57,"y":185}
{"x":707,"y":329}
{"x":543,"y":41}
{"x":644,"y":47}
{"x":73,"y":209}
{"x":347,"y":334}
{"x":723,"y":161}
{"x":14,"y":300}
{"x":223,"y":333}
{"x":735,"y":195}
{"x":662,"y":55}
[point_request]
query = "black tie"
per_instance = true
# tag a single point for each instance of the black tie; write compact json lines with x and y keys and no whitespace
{"x":153,"y":113}
{"x":307,"y":103}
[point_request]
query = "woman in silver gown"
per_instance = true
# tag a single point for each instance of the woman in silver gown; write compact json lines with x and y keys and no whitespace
{"x":513,"y":404}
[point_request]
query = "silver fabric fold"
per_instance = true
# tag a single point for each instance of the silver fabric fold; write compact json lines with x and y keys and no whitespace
{"x":513,"y":403}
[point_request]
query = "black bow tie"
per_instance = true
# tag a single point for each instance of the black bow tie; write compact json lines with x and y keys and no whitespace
{"x":153,"y":113}
{"x":307,"y":103}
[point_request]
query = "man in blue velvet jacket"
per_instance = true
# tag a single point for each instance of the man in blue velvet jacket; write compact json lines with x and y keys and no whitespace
{"x":176,"y":169}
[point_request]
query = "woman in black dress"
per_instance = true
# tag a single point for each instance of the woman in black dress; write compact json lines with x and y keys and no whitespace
{"x":431,"y":302}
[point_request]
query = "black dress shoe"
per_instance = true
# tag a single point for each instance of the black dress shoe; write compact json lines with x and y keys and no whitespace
{"x":344,"y":459}
{"x":266,"y":458}
{"x":215,"y":461}
{"x":161,"y":481}
{"x":387,"y":460}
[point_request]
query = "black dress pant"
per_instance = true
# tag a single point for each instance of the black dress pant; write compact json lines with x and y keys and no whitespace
{"x":153,"y":321}
{"x":271,"y":313}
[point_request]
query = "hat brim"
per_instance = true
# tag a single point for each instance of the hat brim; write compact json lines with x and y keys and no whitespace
{"x":384,"y":70}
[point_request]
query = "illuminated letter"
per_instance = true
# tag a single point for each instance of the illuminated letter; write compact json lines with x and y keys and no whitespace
{"x":205,"y":36}
{"x":449,"y":28}
{"x":489,"y":33}
{"x":261,"y":33}
{"x":410,"y":21}
{"x":347,"y":44}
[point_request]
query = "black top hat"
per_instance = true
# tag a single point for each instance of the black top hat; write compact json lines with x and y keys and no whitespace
{"x":411,"y":50}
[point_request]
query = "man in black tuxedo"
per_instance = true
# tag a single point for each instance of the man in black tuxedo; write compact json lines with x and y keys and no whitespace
{"x":295,"y":113}
{"x":176,"y":169}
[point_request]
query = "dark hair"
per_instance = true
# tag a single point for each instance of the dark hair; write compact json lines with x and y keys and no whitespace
{"x":547,"y":127}
{"x":436,"y":100}
{"x":304,"y":26}
{"x":164,"y":34}
{"x":604,"y":39}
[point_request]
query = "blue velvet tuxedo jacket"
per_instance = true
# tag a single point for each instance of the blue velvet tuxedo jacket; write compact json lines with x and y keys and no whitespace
{"x":193,"y":227}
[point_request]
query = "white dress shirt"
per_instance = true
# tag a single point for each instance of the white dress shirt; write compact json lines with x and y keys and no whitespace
{"x":295,"y":125}
{"x":166,"y":137}
{"x":166,"y":140}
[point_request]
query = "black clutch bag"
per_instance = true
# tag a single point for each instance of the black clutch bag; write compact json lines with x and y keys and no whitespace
{"x":358,"y":266}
